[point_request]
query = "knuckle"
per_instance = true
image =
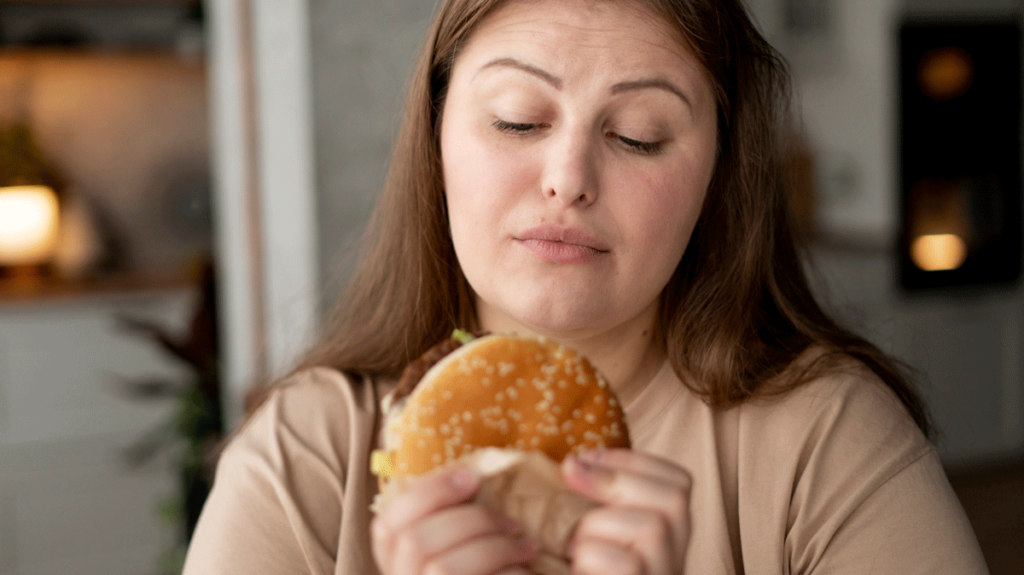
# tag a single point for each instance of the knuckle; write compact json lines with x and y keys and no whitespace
{"x":678,"y":501}
{"x":409,"y":548}
{"x":686,"y":482}
{"x":626,"y":562}
{"x":435,"y":568}
{"x":654,"y":527}
{"x":379,"y":530}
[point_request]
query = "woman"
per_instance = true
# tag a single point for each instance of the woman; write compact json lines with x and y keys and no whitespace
{"x":605,"y":173}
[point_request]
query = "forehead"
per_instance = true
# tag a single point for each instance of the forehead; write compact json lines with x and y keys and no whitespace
{"x":621,"y":32}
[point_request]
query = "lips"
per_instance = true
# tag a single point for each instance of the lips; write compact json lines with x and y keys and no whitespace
{"x":561,"y":244}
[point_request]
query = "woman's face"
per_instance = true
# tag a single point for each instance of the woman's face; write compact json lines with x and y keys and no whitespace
{"x":578,"y":141}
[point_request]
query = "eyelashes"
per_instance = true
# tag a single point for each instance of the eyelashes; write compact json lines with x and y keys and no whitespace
{"x":525,"y":128}
{"x":518,"y":128}
{"x":640,"y":146}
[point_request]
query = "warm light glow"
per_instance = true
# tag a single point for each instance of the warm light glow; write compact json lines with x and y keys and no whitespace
{"x":945,"y":73}
{"x":28,"y":224}
{"x":938,"y":252}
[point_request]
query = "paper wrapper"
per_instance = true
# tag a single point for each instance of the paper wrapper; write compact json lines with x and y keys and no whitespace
{"x":527,"y":487}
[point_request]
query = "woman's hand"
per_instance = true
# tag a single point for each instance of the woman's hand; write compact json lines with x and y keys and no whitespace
{"x":643,"y":526}
{"x":434,"y":529}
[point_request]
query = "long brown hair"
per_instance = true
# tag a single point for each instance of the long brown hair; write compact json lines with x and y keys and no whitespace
{"x":738,"y":310}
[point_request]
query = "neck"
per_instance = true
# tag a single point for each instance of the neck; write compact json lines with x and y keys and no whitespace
{"x":628,"y":355}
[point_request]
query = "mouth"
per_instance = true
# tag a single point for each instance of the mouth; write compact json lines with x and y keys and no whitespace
{"x":562,"y":245}
{"x":570,"y":236}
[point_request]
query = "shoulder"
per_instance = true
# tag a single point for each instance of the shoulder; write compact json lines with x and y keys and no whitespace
{"x":316,"y":411}
{"x":847,"y":406}
{"x":850,"y":481}
{"x":837,"y":438}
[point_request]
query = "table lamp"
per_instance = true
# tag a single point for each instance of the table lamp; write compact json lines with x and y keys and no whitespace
{"x":29,"y":218}
{"x":29,"y":203}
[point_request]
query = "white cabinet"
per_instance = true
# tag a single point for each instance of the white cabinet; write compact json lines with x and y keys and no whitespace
{"x":68,"y":502}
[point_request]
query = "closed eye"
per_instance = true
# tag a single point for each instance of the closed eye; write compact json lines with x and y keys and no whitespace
{"x":638,"y":146}
{"x":518,"y":128}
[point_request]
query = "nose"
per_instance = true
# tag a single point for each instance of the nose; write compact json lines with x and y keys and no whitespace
{"x":570,"y":174}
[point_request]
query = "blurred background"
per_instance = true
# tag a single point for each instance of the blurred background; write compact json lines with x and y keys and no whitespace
{"x":181,"y":181}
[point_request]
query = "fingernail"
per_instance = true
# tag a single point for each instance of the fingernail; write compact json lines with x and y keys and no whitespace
{"x":463,"y":479}
{"x":596,"y":476}
{"x":592,"y":455}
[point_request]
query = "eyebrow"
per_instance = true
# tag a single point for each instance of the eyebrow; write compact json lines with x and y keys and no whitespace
{"x":658,"y":83}
{"x":516,"y":64}
{"x":646,"y":83}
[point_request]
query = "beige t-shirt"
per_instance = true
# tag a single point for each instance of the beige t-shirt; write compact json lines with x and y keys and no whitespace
{"x":833,"y":478}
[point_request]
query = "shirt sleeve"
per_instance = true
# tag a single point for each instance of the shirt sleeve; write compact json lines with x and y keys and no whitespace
{"x":280,"y":489}
{"x":912,"y":523}
{"x":869,"y":493}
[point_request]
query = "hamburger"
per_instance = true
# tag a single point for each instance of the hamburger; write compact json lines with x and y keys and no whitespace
{"x":511,"y":407}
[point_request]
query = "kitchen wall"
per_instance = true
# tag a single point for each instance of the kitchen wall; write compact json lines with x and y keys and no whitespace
{"x":362,"y":53}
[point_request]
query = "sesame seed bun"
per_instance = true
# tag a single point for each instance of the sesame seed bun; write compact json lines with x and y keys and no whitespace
{"x":504,"y":391}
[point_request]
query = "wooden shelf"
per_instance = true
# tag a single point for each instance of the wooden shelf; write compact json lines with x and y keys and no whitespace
{"x":33,"y":291}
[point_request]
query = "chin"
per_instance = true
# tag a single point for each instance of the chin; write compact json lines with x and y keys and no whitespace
{"x":562,"y":323}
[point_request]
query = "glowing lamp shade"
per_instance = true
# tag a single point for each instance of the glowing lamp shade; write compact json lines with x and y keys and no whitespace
{"x":938,"y":252}
{"x":28,"y":224}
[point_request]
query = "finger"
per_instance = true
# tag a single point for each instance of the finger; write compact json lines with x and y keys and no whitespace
{"x":626,"y":487}
{"x":445,"y":530}
{"x":424,"y":496}
{"x":637,"y":462}
{"x":653,"y":496}
{"x":646,"y":533}
{"x":428,"y":494}
{"x":487,"y":554}
{"x":596,"y":557}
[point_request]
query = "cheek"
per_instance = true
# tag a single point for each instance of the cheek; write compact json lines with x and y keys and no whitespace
{"x":482,"y":182}
{"x":663,"y":211}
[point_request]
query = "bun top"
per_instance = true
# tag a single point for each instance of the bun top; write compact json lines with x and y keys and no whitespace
{"x":505,"y":391}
